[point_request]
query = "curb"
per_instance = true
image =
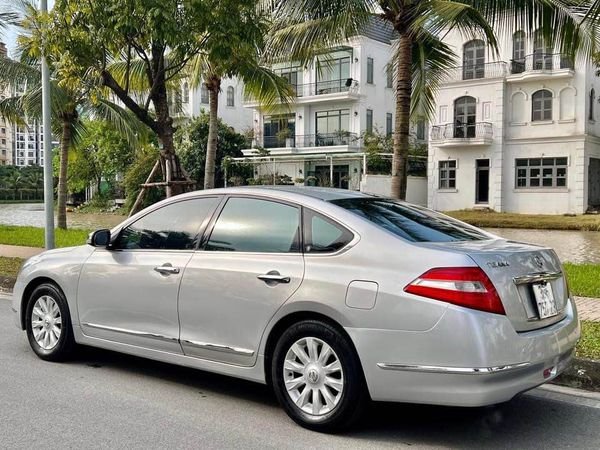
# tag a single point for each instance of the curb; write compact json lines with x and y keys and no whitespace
{"x":581,"y":374}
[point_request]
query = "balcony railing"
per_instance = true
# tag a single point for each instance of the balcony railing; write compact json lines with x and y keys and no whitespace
{"x":541,"y":62}
{"x":477,"y":71}
{"x":480,"y":130}
{"x":326,"y":87}
{"x":311,"y":140}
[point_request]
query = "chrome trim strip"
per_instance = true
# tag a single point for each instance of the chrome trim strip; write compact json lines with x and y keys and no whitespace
{"x":131,"y":332}
{"x":537,"y":277}
{"x":220,"y":348}
{"x":453,"y":370}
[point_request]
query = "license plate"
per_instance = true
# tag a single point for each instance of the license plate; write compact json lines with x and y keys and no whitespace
{"x":545,"y":300}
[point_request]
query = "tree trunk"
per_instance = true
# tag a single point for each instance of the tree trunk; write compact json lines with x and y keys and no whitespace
{"x":214,"y":86}
{"x":402,"y":122}
{"x":65,"y":144}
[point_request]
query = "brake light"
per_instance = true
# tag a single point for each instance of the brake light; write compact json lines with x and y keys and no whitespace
{"x":463,"y":286}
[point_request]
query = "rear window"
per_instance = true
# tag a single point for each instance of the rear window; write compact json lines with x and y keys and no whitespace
{"x":411,"y":222}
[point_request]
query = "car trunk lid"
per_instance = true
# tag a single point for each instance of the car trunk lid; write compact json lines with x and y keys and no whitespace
{"x":523,"y":275}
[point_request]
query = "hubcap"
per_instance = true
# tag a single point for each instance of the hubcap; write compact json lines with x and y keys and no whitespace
{"x":313,"y":376}
{"x":46,"y":322}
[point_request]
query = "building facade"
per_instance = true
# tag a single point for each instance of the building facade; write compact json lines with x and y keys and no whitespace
{"x":516,"y":133}
{"x":194,"y":100}
{"x":342,"y":95}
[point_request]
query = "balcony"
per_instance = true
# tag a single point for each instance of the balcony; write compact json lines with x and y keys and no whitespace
{"x":539,"y":66}
{"x":458,"y":135}
{"x":318,"y":91}
{"x":476,"y":72}
{"x":305,"y":143}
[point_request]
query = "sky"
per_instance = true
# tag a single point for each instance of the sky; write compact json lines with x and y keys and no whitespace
{"x":9,"y":36}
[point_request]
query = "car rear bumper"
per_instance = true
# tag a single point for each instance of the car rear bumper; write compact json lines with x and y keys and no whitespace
{"x":468,"y":359}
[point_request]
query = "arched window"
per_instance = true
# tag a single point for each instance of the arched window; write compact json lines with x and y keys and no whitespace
{"x":592,"y":101}
{"x":185,"y":90}
{"x":541,"y":102}
{"x":518,"y":53}
{"x":230,"y":96}
{"x":465,"y":115}
{"x":203,"y":94}
{"x":542,"y":53}
{"x":474,"y":60}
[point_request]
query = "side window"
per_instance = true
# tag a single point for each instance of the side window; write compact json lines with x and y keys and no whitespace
{"x":323,"y":235}
{"x":172,"y":227}
{"x":254,"y":225}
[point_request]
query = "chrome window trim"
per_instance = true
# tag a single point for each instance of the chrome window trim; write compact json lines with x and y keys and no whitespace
{"x":220,"y":348}
{"x":131,"y":332}
{"x":537,"y":277}
{"x":453,"y":370}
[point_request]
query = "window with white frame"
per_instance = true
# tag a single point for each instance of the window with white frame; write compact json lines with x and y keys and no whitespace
{"x":370,"y":70}
{"x":533,"y":173}
{"x":389,"y":124}
{"x":369,"y":120}
{"x":592,"y":100}
{"x":230,"y":96}
{"x":541,"y":103}
{"x":390,"y":75}
{"x":203,"y":94}
{"x":447,"y":172}
{"x":185,"y":91}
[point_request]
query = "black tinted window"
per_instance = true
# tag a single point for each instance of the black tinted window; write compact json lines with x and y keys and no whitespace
{"x":323,"y":235}
{"x":252,"y":225}
{"x":172,"y":227}
{"x":411,"y":222}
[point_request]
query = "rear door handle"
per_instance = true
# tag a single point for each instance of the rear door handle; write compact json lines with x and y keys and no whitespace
{"x":167,"y":269}
{"x":274,"y":277}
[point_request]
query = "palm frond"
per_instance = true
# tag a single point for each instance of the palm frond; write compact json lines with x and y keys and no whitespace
{"x":123,"y":120}
{"x":303,"y":28}
{"x":431,"y":61}
{"x":265,"y":86}
{"x":559,"y":21}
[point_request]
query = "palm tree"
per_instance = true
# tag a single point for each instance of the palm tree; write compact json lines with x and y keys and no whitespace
{"x":14,"y":181}
{"x":235,"y":50}
{"x":305,"y":28}
{"x":35,"y":180}
{"x":69,"y":104}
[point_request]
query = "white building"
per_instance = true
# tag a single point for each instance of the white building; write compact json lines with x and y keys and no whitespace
{"x":517,"y":133}
{"x":231,"y":108}
{"x":339,"y":97}
{"x":28,"y":144}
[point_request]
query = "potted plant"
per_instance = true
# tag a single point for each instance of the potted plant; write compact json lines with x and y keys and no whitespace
{"x":285,"y":135}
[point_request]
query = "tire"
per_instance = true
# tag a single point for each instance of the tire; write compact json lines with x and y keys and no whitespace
{"x":47,"y":311}
{"x":321,"y":397}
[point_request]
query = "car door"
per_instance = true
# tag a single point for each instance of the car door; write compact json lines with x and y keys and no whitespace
{"x":128,"y":293}
{"x":250,"y":264}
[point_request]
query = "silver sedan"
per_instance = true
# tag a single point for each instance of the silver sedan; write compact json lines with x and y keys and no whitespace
{"x":332,"y":297}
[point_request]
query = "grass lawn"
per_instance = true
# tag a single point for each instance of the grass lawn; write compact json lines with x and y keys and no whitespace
{"x":507,"y":220}
{"x":34,"y":237}
{"x":9,"y":267}
{"x":584,"y":279}
{"x":589,"y":344}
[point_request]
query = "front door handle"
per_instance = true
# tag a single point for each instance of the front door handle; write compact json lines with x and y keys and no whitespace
{"x":167,"y":269}
{"x":274,"y":277}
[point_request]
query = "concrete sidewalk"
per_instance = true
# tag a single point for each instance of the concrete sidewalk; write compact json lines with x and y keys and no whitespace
{"x":588,"y":308}
{"x":16,"y":251}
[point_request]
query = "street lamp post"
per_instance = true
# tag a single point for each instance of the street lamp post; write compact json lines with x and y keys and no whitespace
{"x":48,"y":178}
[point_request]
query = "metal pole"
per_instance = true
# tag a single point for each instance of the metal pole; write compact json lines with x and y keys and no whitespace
{"x":331,"y":171}
{"x":48,"y":178}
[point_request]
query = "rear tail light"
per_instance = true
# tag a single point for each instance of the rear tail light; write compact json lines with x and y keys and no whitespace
{"x":463,"y":286}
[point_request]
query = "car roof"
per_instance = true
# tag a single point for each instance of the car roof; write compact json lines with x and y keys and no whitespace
{"x":289,"y":192}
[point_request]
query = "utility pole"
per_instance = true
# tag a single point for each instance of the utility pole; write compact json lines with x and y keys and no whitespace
{"x":48,"y":178}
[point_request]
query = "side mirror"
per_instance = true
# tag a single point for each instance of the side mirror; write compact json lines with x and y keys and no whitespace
{"x":99,"y":238}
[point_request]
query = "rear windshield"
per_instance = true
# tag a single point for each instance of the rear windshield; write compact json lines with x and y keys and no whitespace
{"x":411,"y":222}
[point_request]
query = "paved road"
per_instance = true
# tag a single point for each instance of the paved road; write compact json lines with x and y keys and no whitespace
{"x":107,"y":400}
